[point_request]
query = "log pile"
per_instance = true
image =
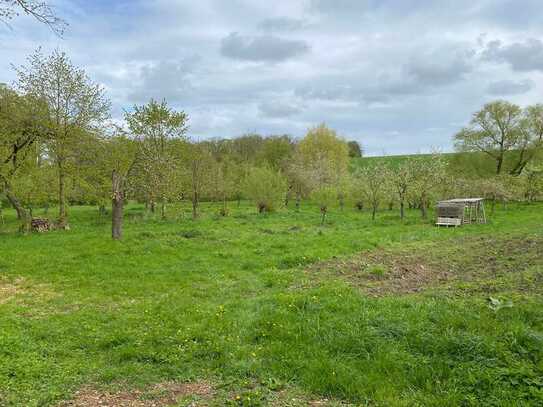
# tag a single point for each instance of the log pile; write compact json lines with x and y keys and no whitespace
{"x":40,"y":225}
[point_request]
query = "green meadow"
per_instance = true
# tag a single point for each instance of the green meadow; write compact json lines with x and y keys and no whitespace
{"x":274,"y":309}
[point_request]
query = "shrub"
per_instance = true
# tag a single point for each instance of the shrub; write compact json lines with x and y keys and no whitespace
{"x":324,"y":197}
{"x":265,"y":187}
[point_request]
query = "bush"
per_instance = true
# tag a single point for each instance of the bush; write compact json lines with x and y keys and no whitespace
{"x":324,"y":197}
{"x":265,"y":187}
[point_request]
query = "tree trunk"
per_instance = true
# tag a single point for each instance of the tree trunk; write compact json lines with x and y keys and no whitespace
{"x":224,"y":206}
{"x":402,"y":210}
{"x":499,"y":163}
{"x":117,"y":206}
{"x":518,"y":168}
{"x":323,"y":211}
{"x":423,"y":210}
{"x":163,"y":209}
{"x":21,"y":212}
{"x":194,"y":204}
{"x":373,"y":211}
{"x":522,"y":162}
{"x":62,"y":213}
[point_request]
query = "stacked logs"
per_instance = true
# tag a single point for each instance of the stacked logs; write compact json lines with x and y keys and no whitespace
{"x":40,"y":225}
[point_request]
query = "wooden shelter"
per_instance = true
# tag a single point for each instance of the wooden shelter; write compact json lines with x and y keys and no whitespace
{"x":456,"y":212}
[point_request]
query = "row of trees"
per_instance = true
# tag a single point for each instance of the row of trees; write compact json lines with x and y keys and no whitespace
{"x":58,"y":146}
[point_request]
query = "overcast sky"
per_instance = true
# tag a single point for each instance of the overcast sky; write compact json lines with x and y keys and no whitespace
{"x":399,"y":76}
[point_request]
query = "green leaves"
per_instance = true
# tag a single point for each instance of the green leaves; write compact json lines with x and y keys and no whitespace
{"x":501,"y":127}
{"x":265,"y":187}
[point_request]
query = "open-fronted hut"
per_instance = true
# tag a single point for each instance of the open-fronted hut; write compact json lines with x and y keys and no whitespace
{"x":456,"y":212}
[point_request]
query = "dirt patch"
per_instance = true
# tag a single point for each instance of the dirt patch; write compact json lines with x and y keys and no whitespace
{"x":418,"y":266}
{"x":384,"y":272}
{"x":8,"y":290}
{"x":320,"y":403}
{"x":295,"y":397}
{"x":162,"y":394}
{"x":32,"y":297}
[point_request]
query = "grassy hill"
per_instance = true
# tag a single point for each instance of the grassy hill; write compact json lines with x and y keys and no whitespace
{"x":469,"y":164}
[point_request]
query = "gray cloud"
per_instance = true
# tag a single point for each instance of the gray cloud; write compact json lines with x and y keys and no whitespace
{"x":163,"y":79}
{"x":380,"y":90}
{"x":441,"y":67}
{"x":282,"y":24}
{"x":509,"y":87}
{"x":424,"y":73}
{"x":522,"y":56}
{"x":267,"y":48}
{"x":278,"y":109}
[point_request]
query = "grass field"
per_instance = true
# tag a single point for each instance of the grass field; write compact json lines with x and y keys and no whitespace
{"x":464,"y":165}
{"x":274,"y":310}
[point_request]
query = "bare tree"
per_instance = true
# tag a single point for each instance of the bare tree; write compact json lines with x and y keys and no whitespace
{"x":40,"y":10}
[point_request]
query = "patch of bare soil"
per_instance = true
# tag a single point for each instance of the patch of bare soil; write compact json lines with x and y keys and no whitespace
{"x":292,"y":397}
{"x":8,"y":290}
{"x":162,"y":394}
{"x":320,"y":403}
{"x":419,"y":266}
{"x":31,"y":296}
